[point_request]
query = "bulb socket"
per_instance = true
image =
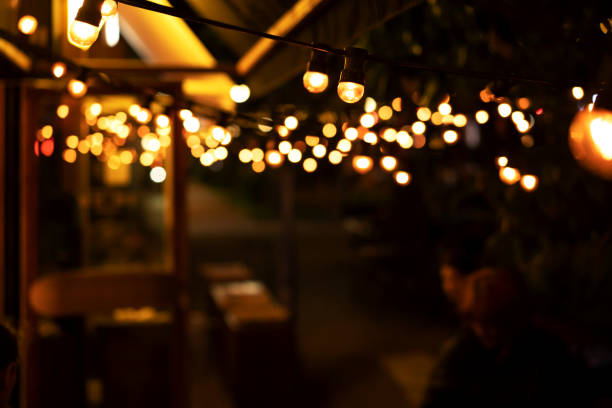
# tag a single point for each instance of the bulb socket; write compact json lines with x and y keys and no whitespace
{"x":354,"y":63}
{"x":90,"y":12}
{"x":317,"y":62}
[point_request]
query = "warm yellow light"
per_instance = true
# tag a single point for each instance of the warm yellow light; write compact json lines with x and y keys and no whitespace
{"x":459,"y":120}
{"x":419,"y":127}
{"x":97,"y":138}
{"x":437,"y":118}
{"x":77,"y":88}
{"x":147,"y":158}
{"x":502,"y":161}
{"x":450,"y":137}
{"x":240,"y":93}
{"x":197,"y":151}
{"x":445,"y":108}
{"x":335,"y":157}
{"x":370,"y":105}
{"x":447,"y":119}
{"x":311,"y":140}
{"x":126,"y":157}
{"x":191,"y":124}
{"x":315,"y":82}
{"x":95,"y":109}
{"x":109,"y":8}
{"x":397,"y":104}
{"x":82,"y":35}
{"x":207,"y":159}
{"x":601,"y":133}
{"x":371,"y":138}
{"x":72,"y":141}
{"x":385,"y":112}
{"x":482,"y":117}
{"x":509,"y":175}
{"x":62,"y":111}
{"x":350,"y":92}
{"x":329,"y":130}
{"x":529,"y":182}
{"x":258,"y":166}
{"x":282,"y":131}
{"x":362,"y":164}
{"x":522,"y":126}
{"x":294,"y":156}
{"x":69,"y":155}
{"x":517,"y":116}
{"x":319,"y":151}
{"x":351,"y":133}
{"x":162,"y":121}
{"x":504,"y":110}
{"x":404,"y":139}
{"x":367,"y":120}
{"x":218,"y":133}
{"x":221,"y":153}
{"x":157,"y":174}
{"x":144,"y":116}
{"x":274,"y":158}
{"x":258,"y":154}
{"x":344,"y":145}
{"x":423,"y":114}
{"x":83,"y":147}
{"x":310,"y":165}
{"x":590,"y":139}
{"x":192,"y":140}
{"x":577,"y":92}
{"x":47,"y":131}
{"x":390,"y":135}
{"x":58,"y":69}
{"x":402,"y":177}
{"x":284,"y":147}
{"x":291,"y":122}
{"x":388,"y":163}
{"x":210,"y":142}
{"x":183,"y":113}
{"x":97,"y":149}
{"x":523,"y":103}
{"x":245,"y":155}
{"x":27,"y":24}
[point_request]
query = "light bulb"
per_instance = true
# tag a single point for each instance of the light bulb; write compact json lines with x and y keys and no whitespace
{"x":109,"y":8}
{"x":82,"y":35}
{"x":388,"y":163}
{"x":350,"y":92}
{"x":590,"y":140}
{"x":77,"y":88}
{"x":529,"y":182}
{"x":352,"y":78}
{"x":402,"y":177}
{"x":315,"y":82}
{"x":315,"y":78}
{"x":362,"y":164}
{"x":509,"y":175}
{"x":274,"y":158}
{"x":27,"y":24}
{"x":58,"y":69}
{"x":240,"y":93}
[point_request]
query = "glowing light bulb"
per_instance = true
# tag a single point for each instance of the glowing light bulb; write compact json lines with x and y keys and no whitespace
{"x":291,"y":122}
{"x":385,"y":112}
{"x":284,"y":147}
{"x":335,"y":157}
{"x":459,"y":120}
{"x":274,"y":158}
{"x":577,"y":93}
{"x":82,"y":35}
{"x":445,"y":108}
{"x":258,"y":154}
{"x":502,"y":161}
{"x":351,"y":133}
{"x":504,"y":110}
{"x":404,"y":139}
{"x":218,"y":133}
{"x":245,"y":155}
{"x":482,"y":117}
{"x":27,"y":24}
{"x":402,"y":178}
{"x":162,"y":121}
{"x":158,"y":174}
{"x":367,"y":120}
{"x":388,"y":163}
{"x":315,"y":82}
{"x":418,"y":128}
{"x":509,"y":175}
{"x":144,"y":116}
{"x":369,"y":105}
{"x":294,"y":156}
{"x":62,"y":111}
{"x":371,"y":138}
{"x":529,"y":182}
{"x":423,"y":114}
{"x":319,"y":151}
{"x":390,"y":135}
{"x":95,"y":109}
{"x":240,"y":93}
{"x":183,"y":113}
{"x":329,"y":130}
{"x":590,"y":139}
{"x":112,"y":30}
{"x":77,"y":88}
{"x":310,"y":165}
{"x":350,"y":92}
{"x":191,"y":124}
{"x":362,"y":164}
{"x":450,"y":137}
{"x":58,"y":69}
{"x":344,"y":146}
{"x":109,"y":8}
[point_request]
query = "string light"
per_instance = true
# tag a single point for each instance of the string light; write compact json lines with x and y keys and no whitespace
{"x":577,"y":93}
{"x":335,"y":157}
{"x":402,"y":177}
{"x":504,"y":110}
{"x":352,"y":78}
{"x":85,"y":28}
{"x":482,"y":117}
{"x":319,"y":151}
{"x":191,"y":124}
{"x":240,"y":93}
{"x":58,"y":69}
{"x":245,"y":155}
{"x":502,"y":161}
{"x":62,"y":111}
{"x":445,"y":108}
{"x":423,"y":114}
{"x":294,"y":156}
{"x":419,"y":127}
{"x":27,"y":24}
{"x":309,"y":165}
{"x":157,"y":174}
{"x":367,"y":120}
{"x":291,"y":122}
{"x":385,"y":112}
{"x":329,"y":130}
{"x":284,"y":147}
{"x":590,"y":138}
{"x":351,"y":133}
{"x":388,"y":163}
{"x":315,"y":78}
{"x":362,"y":164}
{"x":529,"y":182}
{"x":509,"y":175}
{"x":77,"y":87}
{"x":450,"y":137}
{"x":370,"y":105}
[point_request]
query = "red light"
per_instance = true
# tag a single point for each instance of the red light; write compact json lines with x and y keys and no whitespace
{"x":37,"y":148}
{"x":539,"y":111}
{"x":46,"y":147}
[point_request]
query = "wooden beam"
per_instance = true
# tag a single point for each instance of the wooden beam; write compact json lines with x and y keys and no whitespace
{"x":283,"y":26}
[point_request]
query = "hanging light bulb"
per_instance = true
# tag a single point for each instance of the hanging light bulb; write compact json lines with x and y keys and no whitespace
{"x":109,"y":8}
{"x":58,"y":69}
{"x":77,"y":87}
{"x":240,"y":93}
{"x":85,"y":28}
{"x":352,"y":78}
{"x":27,"y":24}
{"x":590,"y":136}
{"x":362,"y":164}
{"x":315,"y":78}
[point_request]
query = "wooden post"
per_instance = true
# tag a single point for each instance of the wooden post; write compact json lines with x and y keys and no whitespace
{"x":28,"y":256}
{"x":178,"y":173}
